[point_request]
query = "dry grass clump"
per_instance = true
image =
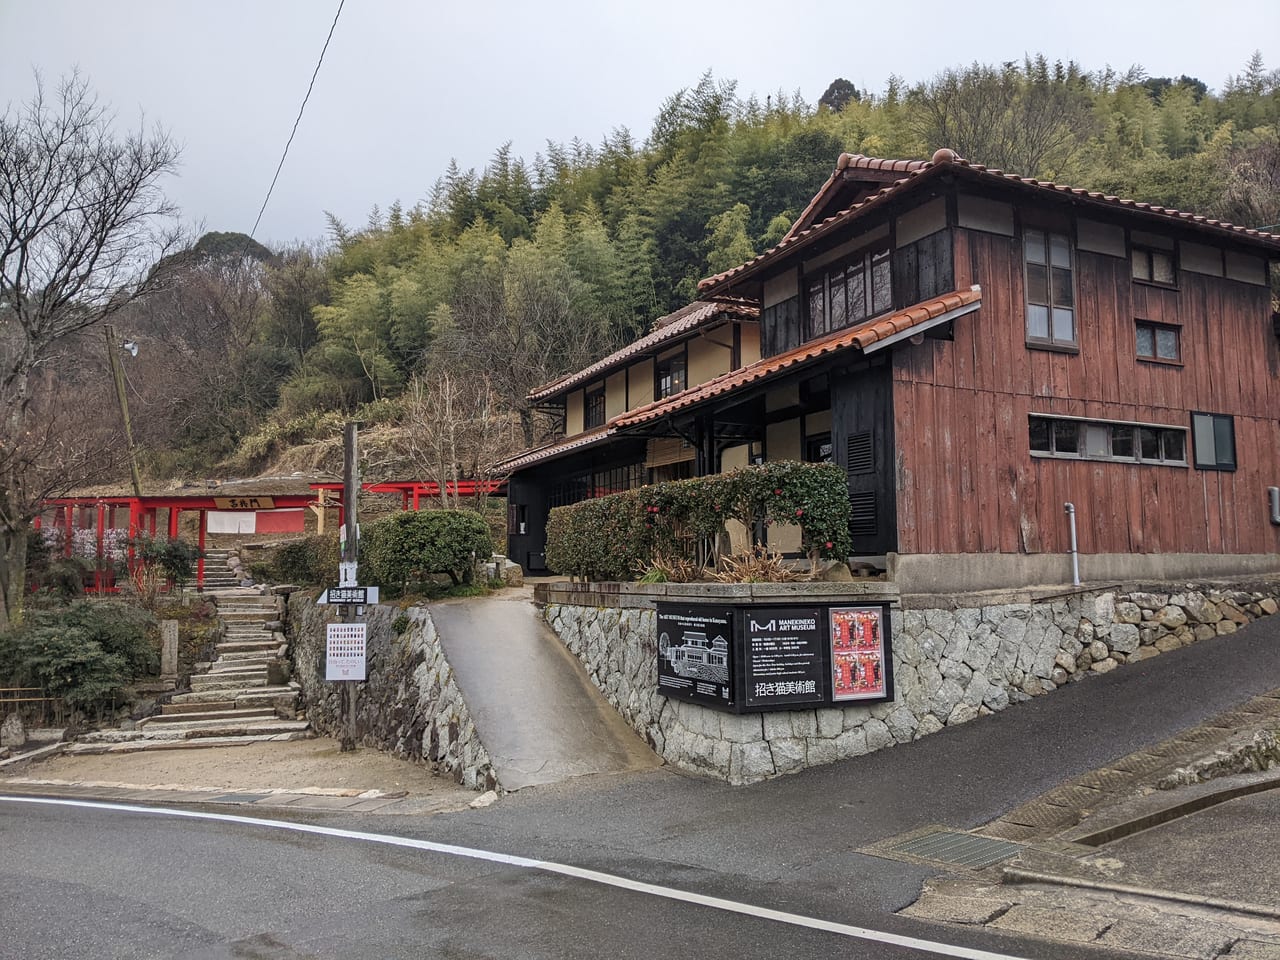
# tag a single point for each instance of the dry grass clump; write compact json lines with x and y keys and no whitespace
{"x":755,"y":565}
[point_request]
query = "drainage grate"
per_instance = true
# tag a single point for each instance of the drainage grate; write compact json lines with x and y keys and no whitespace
{"x":960,"y":849}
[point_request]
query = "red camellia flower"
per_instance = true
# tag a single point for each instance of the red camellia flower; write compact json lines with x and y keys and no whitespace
{"x":799,"y":512}
{"x":829,"y":544}
{"x":778,"y":492}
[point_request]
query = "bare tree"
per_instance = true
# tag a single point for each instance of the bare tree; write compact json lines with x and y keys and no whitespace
{"x":454,"y":430}
{"x":1034,"y":120}
{"x":82,"y":217}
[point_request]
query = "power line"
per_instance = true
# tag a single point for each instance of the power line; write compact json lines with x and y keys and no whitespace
{"x":314,"y":74}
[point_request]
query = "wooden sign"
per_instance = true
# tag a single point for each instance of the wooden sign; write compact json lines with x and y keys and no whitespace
{"x":244,"y":503}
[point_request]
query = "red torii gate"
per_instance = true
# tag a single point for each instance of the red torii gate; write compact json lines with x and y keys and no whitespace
{"x":412,"y":492}
{"x":99,"y":514}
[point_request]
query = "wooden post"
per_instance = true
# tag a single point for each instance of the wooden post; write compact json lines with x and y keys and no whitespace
{"x":348,"y":576}
{"x":117,"y":372}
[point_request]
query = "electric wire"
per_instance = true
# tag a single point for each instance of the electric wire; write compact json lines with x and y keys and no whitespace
{"x":298,"y":120}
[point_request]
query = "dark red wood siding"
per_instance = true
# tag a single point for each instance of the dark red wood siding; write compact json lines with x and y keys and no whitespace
{"x":967,"y":482}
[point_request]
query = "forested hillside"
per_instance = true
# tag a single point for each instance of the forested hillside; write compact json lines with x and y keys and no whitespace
{"x":443,"y":314}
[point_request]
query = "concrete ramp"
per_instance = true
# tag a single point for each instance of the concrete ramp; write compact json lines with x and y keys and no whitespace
{"x":537,"y":712}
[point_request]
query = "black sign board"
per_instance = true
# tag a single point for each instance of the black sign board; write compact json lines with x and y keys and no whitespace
{"x":695,"y":654}
{"x":783,"y":656}
{"x":748,"y":659}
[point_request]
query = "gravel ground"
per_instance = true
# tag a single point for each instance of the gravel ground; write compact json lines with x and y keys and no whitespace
{"x":291,"y":765}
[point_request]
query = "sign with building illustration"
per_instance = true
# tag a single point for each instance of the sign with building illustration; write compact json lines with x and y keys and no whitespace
{"x":751,"y":659}
{"x":695,"y":659}
{"x":783,"y":660}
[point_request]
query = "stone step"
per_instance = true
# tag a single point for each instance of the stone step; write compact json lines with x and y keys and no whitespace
{"x":202,"y":683}
{"x":194,"y":716}
{"x":282,"y":699}
{"x":251,"y":654}
{"x":245,"y":663}
{"x":133,"y":746}
{"x":229,"y":617}
{"x":178,"y":709}
{"x":247,"y":647}
{"x":190,"y":730}
{"x":258,"y":697}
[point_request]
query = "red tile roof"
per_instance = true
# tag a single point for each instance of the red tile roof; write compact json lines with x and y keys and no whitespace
{"x":686,"y":319}
{"x":946,"y":160}
{"x":556,"y":448}
{"x":848,"y":162}
{"x":863,"y":336}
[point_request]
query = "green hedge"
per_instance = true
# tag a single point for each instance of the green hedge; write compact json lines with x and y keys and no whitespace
{"x":416,"y":544}
{"x":609,"y":538}
{"x":87,"y":652}
{"x":309,"y":562}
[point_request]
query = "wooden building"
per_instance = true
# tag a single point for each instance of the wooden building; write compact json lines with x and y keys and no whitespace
{"x":978,"y":350}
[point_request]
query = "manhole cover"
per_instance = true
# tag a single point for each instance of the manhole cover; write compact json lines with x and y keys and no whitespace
{"x":960,"y":849}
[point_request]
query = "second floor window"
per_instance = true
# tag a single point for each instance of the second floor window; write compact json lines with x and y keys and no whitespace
{"x":1051,"y":318}
{"x":1153,"y":266}
{"x":671,"y":376}
{"x":593,"y":410}
{"x":1158,"y":341}
{"x":851,"y":293}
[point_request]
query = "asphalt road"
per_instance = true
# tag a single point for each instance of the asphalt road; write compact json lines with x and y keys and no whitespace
{"x":77,"y":882}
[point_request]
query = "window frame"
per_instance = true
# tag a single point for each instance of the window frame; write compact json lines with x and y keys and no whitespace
{"x":593,"y":406}
{"x":1084,"y":426}
{"x":1219,"y":464}
{"x":866,"y":261}
{"x":682,"y":356}
{"x":1050,"y":342}
{"x":1148,"y":251}
{"x":1155,"y":327}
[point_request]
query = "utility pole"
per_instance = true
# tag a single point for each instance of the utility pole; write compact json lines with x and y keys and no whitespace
{"x":117,"y":372}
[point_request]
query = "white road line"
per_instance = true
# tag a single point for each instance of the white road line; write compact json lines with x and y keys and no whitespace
{"x":578,"y":873}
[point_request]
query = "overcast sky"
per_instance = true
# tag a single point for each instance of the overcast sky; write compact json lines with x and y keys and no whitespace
{"x":405,"y":86}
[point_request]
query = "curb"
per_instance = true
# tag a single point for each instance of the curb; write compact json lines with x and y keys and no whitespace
{"x":1016,"y":875}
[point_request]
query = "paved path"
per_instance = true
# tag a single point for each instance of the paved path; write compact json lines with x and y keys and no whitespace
{"x":538,"y":713}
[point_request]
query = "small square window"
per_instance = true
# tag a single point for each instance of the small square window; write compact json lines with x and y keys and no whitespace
{"x":1153,"y":266}
{"x":1158,"y":341}
{"x":1214,"y":441}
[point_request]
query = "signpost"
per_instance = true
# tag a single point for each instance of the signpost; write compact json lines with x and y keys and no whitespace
{"x":783,"y":662}
{"x":695,"y":654}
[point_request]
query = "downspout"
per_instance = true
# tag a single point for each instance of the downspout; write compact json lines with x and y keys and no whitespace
{"x":1274,"y":493}
{"x":1075,"y":554}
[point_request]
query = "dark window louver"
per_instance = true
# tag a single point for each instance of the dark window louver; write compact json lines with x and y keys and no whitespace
{"x":861,"y":454}
{"x":862,"y":514}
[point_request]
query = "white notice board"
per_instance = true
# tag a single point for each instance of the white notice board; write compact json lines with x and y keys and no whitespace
{"x":344,"y":651}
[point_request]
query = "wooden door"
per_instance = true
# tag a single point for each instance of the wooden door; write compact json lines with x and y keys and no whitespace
{"x":862,"y":433}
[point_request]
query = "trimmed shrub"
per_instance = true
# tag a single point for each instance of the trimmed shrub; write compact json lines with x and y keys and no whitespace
{"x":611,"y":538}
{"x":87,"y":652}
{"x":414,"y":545}
{"x":310,"y":562}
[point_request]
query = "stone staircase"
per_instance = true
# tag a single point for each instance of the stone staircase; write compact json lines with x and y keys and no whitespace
{"x":242,"y":696}
{"x":218,"y":574}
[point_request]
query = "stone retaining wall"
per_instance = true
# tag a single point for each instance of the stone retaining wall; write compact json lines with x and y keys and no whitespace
{"x":410,"y":704}
{"x":954,"y":659}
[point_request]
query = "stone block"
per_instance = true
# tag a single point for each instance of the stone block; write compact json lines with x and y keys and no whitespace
{"x":955,"y":670}
{"x":777,"y":726}
{"x":1127,"y":612}
{"x":1124,"y":638}
{"x":1167,"y":643}
{"x":804,"y":723}
{"x":1104,"y":666}
{"x":821,"y":751}
{"x":830,"y":722}
{"x":902,"y":724}
{"x":983,"y":644}
{"x":1204,"y":631}
{"x":1268,"y":605}
{"x":931,"y":646}
{"x":997,"y":697}
{"x":963,"y":713}
{"x":1059,"y":676}
{"x":1065,"y":661}
{"x":1149,"y":601}
{"x":789,"y":754}
{"x":743,"y":728}
{"x":878,"y":735}
{"x":928,"y":724}
{"x":1226,"y":626}
{"x":1171,"y":616}
{"x":13,"y":732}
{"x":751,"y":761}
{"x":945,"y":698}
{"x":851,"y":743}
{"x":1143,"y":653}
{"x":1098,"y":651}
